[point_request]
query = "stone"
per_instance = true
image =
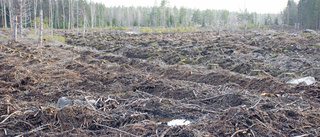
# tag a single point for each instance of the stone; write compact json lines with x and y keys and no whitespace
{"x":63,"y":101}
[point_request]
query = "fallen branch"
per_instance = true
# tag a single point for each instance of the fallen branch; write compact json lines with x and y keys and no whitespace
{"x":194,"y":93}
{"x":269,"y":127}
{"x":34,"y":130}
{"x":213,"y":97}
{"x":302,"y":135}
{"x":145,"y":93}
{"x":110,"y":99}
{"x":235,"y":133}
{"x":252,"y":133}
{"x":8,"y":117}
{"x":165,"y":132}
{"x":116,"y":129}
{"x":256,"y":103}
{"x":90,"y":103}
{"x":29,"y":91}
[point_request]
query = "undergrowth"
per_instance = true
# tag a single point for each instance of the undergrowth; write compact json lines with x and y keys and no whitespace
{"x":48,"y":37}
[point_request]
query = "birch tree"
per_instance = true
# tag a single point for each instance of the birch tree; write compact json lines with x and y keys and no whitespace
{"x":163,"y":8}
{"x":11,"y":14}
{"x":4,"y":13}
{"x":51,"y":17}
{"x":35,"y":13}
{"x":93,"y":13}
{"x":69,"y":20}
{"x":64,"y":15}
{"x":20,"y":16}
{"x":77,"y":14}
{"x":57,"y":14}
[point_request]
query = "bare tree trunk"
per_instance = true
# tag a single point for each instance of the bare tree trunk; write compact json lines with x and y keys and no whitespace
{"x":51,"y":17}
{"x":20,"y":28}
{"x":64,"y":15}
{"x":245,"y":28}
{"x":12,"y":15}
{"x":25,"y":13}
{"x":72,"y":15}
{"x":91,"y":8}
{"x":84,"y":26}
{"x":5,"y":15}
{"x":111,"y":20}
{"x":77,"y":14}
{"x":218,"y":31}
{"x":35,"y":15}
{"x":164,"y":16}
{"x":40,"y":29}
{"x":69,"y":21}
{"x":140,"y":16}
{"x":93,"y":13}
{"x":2,"y":13}
{"x":57,"y":14}
{"x":14,"y":37}
{"x":49,"y":13}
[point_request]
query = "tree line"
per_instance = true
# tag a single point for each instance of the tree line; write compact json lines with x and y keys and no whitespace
{"x":305,"y":14}
{"x":70,"y":14}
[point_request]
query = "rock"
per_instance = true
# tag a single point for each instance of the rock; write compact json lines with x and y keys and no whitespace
{"x":306,"y":80}
{"x":132,"y":32}
{"x":213,"y":66}
{"x":63,"y":101}
{"x":79,"y":102}
{"x":92,"y":101}
{"x":178,"y":122}
{"x":310,"y":31}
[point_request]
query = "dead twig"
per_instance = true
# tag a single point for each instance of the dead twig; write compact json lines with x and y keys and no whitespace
{"x":303,"y":135}
{"x":165,"y":132}
{"x":90,"y":103}
{"x":145,"y":93}
{"x":115,"y":129}
{"x":252,"y":133}
{"x":269,"y":127}
{"x":5,"y":131}
{"x":35,"y":130}
{"x":110,"y":99}
{"x":212,"y":97}
{"x":242,"y":130}
{"x":194,"y":93}
{"x":8,"y":117}
{"x":29,"y":91}
{"x":256,"y":103}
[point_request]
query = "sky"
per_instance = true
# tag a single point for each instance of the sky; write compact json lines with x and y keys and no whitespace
{"x":259,"y":6}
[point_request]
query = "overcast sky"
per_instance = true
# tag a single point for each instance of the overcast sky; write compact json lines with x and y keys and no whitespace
{"x":260,"y":6}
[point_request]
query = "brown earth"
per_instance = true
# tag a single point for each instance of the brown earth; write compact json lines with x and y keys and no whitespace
{"x":227,"y":85}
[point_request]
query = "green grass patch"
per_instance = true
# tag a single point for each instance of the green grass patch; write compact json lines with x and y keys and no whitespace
{"x":53,"y":38}
{"x":5,"y":38}
{"x":48,"y":37}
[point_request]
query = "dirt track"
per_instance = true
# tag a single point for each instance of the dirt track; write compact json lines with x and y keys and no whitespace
{"x":226,"y":85}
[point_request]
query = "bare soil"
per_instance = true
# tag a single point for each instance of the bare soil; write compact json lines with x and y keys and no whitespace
{"x":226,"y":85}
